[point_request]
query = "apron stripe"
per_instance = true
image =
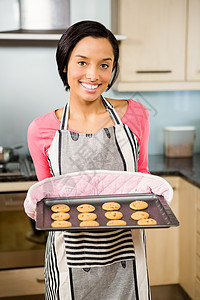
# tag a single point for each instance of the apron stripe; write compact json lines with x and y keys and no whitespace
{"x":134,"y":145}
{"x":59,"y":151}
{"x":135,"y":280}
{"x":50,"y":166}
{"x":99,"y":264}
{"x":144,"y":241}
{"x":89,"y":248}
{"x":63,"y":120}
{"x":120,"y":152}
{"x":71,"y":284}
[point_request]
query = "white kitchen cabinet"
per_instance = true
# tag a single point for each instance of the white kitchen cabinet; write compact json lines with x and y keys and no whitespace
{"x":163,"y":247}
{"x":193,"y":44}
{"x":154,"y":56}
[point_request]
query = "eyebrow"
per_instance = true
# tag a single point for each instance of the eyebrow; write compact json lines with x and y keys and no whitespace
{"x":85,"y":57}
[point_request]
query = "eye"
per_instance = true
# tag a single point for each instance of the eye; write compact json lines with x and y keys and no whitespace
{"x":104,"y":66}
{"x":82,"y":63}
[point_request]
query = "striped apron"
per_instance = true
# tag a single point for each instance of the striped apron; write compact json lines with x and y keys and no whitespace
{"x":94,"y":265}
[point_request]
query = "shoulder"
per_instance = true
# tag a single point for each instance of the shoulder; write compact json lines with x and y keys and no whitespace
{"x":137,"y":118}
{"x":136,"y":110}
{"x":43,"y":129}
{"x":120,"y":106}
{"x":129,"y":107}
{"x":44,"y":122}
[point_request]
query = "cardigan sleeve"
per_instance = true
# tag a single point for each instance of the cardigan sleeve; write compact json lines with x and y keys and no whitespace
{"x":37,"y":151}
{"x":137,"y":119}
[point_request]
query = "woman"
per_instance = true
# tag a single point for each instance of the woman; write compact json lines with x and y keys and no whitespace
{"x":91,"y":133}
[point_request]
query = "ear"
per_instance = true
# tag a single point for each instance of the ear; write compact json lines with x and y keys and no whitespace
{"x":65,"y":70}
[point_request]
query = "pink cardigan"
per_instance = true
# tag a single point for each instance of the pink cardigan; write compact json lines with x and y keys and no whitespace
{"x":42,"y":131}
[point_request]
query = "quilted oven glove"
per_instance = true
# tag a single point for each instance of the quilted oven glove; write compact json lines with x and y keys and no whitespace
{"x":88,"y":183}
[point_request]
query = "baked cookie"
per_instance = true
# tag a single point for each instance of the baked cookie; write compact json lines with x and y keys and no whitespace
{"x":138,"y":205}
{"x":139,"y":215}
{"x":60,"y":216}
{"x":116,"y":223}
{"x":111,"y":206}
{"x":86,"y":208}
{"x":113,"y":215}
{"x":61,"y":224}
{"x":60,"y":208}
{"x":149,"y":221}
{"x":87,"y":216}
{"x":89,"y":223}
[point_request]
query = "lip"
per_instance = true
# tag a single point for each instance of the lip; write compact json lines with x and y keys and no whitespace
{"x":89,"y":90}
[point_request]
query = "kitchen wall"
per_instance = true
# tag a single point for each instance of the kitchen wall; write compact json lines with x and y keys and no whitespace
{"x":30,"y":86}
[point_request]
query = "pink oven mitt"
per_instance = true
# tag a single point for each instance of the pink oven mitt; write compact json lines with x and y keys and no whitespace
{"x":88,"y":183}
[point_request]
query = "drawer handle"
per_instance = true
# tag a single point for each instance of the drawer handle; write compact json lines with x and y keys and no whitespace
{"x":12,"y":202}
{"x":153,"y":72}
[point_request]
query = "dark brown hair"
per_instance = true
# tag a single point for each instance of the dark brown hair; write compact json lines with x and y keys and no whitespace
{"x":73,"y":35}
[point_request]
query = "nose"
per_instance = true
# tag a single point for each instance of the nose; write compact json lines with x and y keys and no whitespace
{"x":92,"y":73}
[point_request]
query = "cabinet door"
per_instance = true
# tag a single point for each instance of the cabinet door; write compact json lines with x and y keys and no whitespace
{"x":155,"y":46}
{"x":163,"y":247}
{"x":193,"y":45}
{"x":188,"y":215}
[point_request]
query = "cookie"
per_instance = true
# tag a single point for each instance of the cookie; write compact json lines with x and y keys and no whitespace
{"x":89,"y":223}
{"x":60,"y":216}
{"x":113,"y":215}
{"x":111,"y":206}
{"x":60,"y":208}
{"x":139,"y":215}
{"x":61,"y":224}
{"x":138,"y":205}
{"x":86,"y":208}
{"x":147,"y":222}
{"x":116,"y":223}
{"x":87,"y":216}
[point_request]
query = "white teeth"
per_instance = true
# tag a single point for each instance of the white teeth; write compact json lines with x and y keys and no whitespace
{"x":89,"y":86}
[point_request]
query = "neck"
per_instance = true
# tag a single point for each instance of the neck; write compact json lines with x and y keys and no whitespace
{"x":85,"y":109}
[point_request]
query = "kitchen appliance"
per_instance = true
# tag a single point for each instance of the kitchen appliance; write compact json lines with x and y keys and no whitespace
{"x":45,"y":14}
{"x":6,"y":153}
{"x":15,"y":250}
{"x":179,"y":141}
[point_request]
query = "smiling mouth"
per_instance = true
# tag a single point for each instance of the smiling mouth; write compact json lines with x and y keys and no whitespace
{"x":90,"y":86}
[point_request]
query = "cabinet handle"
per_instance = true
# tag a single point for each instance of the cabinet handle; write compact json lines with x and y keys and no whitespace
{"x":154,"y":71}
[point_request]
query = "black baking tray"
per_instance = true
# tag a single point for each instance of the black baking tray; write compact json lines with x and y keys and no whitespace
{"x":157,"y":209}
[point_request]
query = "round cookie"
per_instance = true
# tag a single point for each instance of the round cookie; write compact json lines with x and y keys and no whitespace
{"x":87,"y":216}
{"x":61,"y":224}
{"x":139,"y":215}
{"x":149,"y":221}
{"x":116,"y":223}
{"x":86,"y":208}
{"x":138,"y":205}
{"x":60,"y":216}
{"x":113,"y":215}
{"x":60,"y":208}
{"x":89,"y":223}
{"x":111,"y":206}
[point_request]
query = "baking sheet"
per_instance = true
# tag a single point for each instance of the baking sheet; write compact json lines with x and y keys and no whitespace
{"x":157,"y":209}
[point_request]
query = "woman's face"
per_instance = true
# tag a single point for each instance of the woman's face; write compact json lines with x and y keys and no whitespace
{"x":89,"y":68}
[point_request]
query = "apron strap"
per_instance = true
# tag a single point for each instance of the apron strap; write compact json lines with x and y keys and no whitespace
{"x":109,"y":107}
{"x":64,"y":120}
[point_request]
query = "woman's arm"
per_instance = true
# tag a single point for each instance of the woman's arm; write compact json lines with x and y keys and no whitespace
{"x":137,"y":119}
{"x":37,"y":150}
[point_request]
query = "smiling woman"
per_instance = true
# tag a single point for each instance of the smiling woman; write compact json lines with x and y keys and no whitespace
{"x":92,"y":133}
